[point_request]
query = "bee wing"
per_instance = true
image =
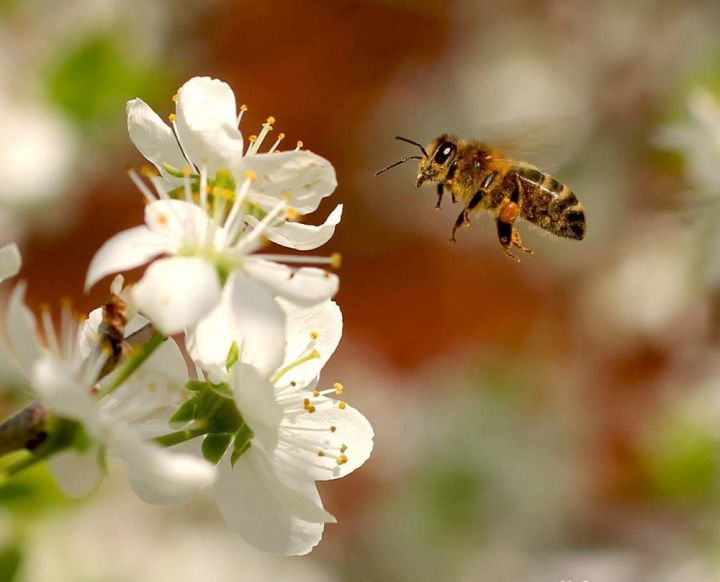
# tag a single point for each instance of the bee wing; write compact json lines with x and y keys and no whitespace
{"x":547,"y":143}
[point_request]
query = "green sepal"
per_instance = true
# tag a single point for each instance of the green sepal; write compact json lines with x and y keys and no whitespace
{"x":215,"y":445}
{"x":243,"y":436}
{"x":232,"y":357}
{"x":186,"y":412}
{"x":175,"y":172}
{"x":223,"y":390}
{"x":195,"y":385}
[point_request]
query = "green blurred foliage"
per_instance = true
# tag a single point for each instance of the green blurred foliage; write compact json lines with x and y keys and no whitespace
{"x":10,"y":560}
{"x":91,"y":81}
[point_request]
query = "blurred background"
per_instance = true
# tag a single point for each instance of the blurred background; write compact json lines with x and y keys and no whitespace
{"x":557,"y":419}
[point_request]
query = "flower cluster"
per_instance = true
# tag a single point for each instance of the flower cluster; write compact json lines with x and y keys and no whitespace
{"x":233,"y":400}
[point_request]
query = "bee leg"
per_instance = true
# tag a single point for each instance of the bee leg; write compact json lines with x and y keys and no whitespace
{"x":505,"y":235}
{"x":461,"y":220}
{"x":440,"y":191}
{"x":517,"y":242}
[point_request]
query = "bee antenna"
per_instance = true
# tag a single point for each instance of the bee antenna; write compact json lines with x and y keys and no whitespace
{"x":422,"y":149}
{"x":397,"y":164}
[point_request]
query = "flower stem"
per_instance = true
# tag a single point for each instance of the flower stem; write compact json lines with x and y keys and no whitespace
{"x":133,"y":362}
{"x":179,"y":436}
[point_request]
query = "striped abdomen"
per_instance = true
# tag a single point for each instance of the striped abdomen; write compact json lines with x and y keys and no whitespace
{"x":550,"y":205}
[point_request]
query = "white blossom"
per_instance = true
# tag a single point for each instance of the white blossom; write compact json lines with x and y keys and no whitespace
{"x":66,"y":382}
{"x":300,"y":434}
{"x":205,"y":138}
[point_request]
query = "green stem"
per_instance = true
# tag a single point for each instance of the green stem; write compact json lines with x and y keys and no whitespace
{"x":179,"y":436}
{"x":133,"y":362}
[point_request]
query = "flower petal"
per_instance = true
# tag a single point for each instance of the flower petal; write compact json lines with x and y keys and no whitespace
{"x":303,"y":237}
{"x":126,"y":250}
{"x":306,"y":176}
{"x":266,"y":512}
{"x":175,"y":293}
{"x":353,"y":437}
{"x":178,"y":222}
{"x":305,"y":286}
{"x":10,"y":261}
{"x":59,"y":390}
{"x":159,"y":476}
{"x":247,"y":315}
{"x":21,"y":330}
{"x":153,"y":137}
{"x":255,"y":398}
{"x":77,"y":473}
{"x":206,"y":123}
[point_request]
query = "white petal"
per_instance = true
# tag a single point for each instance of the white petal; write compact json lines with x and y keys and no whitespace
{"x":305,"y":286}
{"x":153,"y":137}
{"x":21,"y":330}
{"x":267,"y":513}
{"x":306,"y":176}
{"x":88,"y":335}
{"x":175,"y":293}
{"x":61,"y":392}
{"x":247,"y":315}
{"x":303,"y":237}
{"x":352,"y":430}
{"x":255,"y":398}
{"x":157,"y":475}
{"x":323,"y":320}
{"x":178,"y":222}
{"x":77,"y":473}
{"x":126,"y":250}
{"x":10,"y":261}
{"x":207,"y":123}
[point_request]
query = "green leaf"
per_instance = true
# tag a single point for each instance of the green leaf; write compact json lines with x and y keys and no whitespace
{"x":185,"y":413}
{"x":215,"y":445}
{"x":232,"y":357}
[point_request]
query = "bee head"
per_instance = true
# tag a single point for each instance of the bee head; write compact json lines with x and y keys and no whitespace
{"x":441,"y":153}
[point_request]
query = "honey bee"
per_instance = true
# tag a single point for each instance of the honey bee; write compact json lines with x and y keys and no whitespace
{"x":483,"y":178}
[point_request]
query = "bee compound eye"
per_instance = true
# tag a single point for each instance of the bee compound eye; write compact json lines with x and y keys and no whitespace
{"x":444,"y":151}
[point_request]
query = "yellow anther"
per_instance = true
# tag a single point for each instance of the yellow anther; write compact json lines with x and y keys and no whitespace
{"x":333,"y":428}
{"x":310,"y":409}
{"x":293,"y":383}
{"x":306,"y":403}
{"x":252,"y":139}
{"x":341,"y":405}
{"x":287,"y":195}
{"x":314,"y":335}
{"x":300,"y":144}
{"x":338,"y":388}
{"x":172,"y":117}
{"x":66,"y":302}
{"x":280,"y":137}
{"x":343,"y":448}
{"x":148,"y":171}
{"x":321,"y":453}
{"x":45,"y":307}
{"x":162,"y":219}
{"x":342,"y":459}
{"x":336,"y":260}
{"x":243,"y":108}
{"x":270,"y":120}
{"x":220,"y":192}
{"x":175,"y":98}
{"x":316,"y":393}
{"x":314,"y":354}
{"x":250,"y":175}
{"x":129,"y":169}
{"x":292,"y":213}
{"x":187,"y":171}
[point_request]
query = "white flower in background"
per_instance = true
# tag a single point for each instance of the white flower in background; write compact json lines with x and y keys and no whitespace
{"x":205,"y":138}
{"x":10,"y":261}
{"x":297,"y":433}
{"x":66,"y":382}
{"x":203,"y":255}
{"x":36,"y":149}
{"x":698,"y":137}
